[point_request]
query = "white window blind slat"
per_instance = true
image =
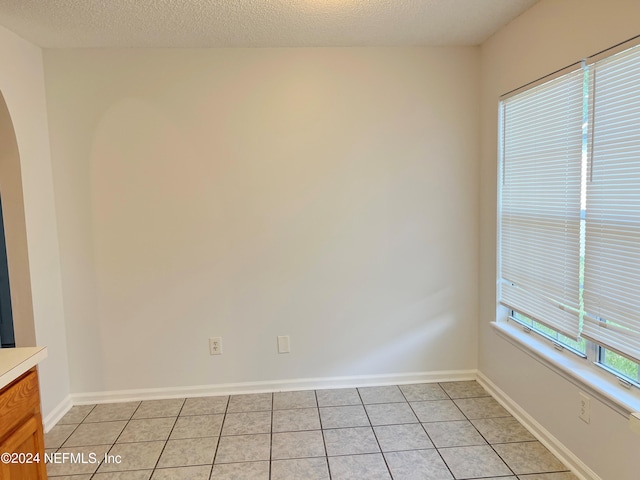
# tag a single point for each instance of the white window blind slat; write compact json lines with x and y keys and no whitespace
{"x":540,"y":309}
{"x":612,"y":242}
{"x":540,"y":202}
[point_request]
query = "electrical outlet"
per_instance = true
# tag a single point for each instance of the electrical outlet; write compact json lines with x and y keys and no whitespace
{"x":215,"y":346}
{"x":584,"y":408}
{"x":283,"y":344}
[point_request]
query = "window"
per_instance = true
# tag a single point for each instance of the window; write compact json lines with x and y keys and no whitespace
{"x":619,"y":365}
{"x":577,"y":346}
{"x":569,"y":210}
{"x":540,"y":205}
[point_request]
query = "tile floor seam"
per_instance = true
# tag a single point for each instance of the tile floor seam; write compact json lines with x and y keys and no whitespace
{"x":95,"y":472}
{"x":429,"y":436}
{"x":514,"y":441}
{"x":89,"y":412}
{"x":503,"y":460}
{"x":324,"y":441}
{"x":83,"y":418}
{"x":69,"y":436}
{"x":224,"y":417}
{"x":369,"y":453}
{"x":529,"y":473}
{"x":166,"y":442}
{"x":480,"y":433}
{"x":74,"y":429}
{"x":374,"y":434}
{"x":271,"y":439}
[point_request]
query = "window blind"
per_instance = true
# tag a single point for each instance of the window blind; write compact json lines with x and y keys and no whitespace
{"x":612,"y":243}
{"x":541,"y":161}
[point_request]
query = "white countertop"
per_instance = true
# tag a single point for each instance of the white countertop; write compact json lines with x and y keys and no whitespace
{"x":15,"y":361}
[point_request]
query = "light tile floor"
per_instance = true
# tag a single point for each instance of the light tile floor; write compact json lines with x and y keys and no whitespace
{"x":431,"y":431}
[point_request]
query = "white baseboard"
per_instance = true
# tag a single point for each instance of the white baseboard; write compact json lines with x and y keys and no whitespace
{"x":57,"y":413}
{"x":271,"y":386}
{"x":577,"y":466}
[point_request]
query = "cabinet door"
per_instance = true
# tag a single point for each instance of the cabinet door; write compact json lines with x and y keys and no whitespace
{"x":27,"y":439}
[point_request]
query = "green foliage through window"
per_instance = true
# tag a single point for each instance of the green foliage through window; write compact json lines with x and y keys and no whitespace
{"x":620,"y":364}
{"x":579,"y":346}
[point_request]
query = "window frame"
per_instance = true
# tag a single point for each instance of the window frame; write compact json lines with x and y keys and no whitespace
{"x":613,"y":387}
{"x":622,"y":378}
{"x":583,"y":372}
{"x":593,"y":352}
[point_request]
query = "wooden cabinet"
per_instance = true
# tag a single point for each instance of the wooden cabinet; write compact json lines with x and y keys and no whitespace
{"x":21,"y":429}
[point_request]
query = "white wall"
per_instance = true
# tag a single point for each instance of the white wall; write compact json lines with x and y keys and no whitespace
{"x":549,"y":36}
{"x":22,"y":86}
{"x":327,"y":194}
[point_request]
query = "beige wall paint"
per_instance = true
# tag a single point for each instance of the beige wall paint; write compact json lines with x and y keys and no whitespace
{"x":22,"y":86}
{"x":549,"y":36}
{"x":325,"y":194}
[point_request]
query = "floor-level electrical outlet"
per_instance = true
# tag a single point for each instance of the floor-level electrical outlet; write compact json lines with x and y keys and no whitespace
{"x":215,"y":346}
{"x":283,"y":344}
{"x":584,"y":408}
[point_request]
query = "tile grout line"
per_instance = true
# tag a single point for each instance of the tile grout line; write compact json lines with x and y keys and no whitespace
{"x":119,"y":435}
{"x":224,"y":418}
{"x":324,"y":442}
{"x":427,"y":433}
{"x":483,"y":437}
{"x":364,"y":406}
{"x":469,"y":420}
{"x":491,"y":444}
{"x":75,"y":427}
{"x":73,"y":431}
{"x":480,"y":433}
{"x":219,"y":435}
{"x":95,"y":472}
{"x":271,"y":436}
{"x":69,"y":436}
{"x":153,"y":470}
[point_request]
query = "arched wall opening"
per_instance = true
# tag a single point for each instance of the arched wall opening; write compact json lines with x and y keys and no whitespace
{"x":15,"y":232}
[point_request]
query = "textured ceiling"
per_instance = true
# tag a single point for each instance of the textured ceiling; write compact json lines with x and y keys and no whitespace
{"x":256,"y":23}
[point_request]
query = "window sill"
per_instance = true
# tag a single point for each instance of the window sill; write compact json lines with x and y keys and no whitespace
{"x":579,"y":371}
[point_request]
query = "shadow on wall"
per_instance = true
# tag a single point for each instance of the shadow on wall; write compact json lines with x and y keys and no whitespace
{"x":15,"y":233}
